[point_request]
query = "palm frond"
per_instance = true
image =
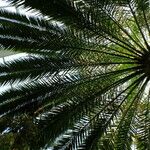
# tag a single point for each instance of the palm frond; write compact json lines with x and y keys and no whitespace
{"x":84,"y":83}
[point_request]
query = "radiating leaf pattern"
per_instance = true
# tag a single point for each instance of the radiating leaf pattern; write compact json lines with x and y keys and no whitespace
{"x":84,"y":84}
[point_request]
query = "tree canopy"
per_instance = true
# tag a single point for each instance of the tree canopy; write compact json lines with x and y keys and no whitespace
{"x":84,"y":83}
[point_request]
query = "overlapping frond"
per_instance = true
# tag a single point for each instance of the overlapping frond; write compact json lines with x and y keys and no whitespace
{"x":84,"y":84}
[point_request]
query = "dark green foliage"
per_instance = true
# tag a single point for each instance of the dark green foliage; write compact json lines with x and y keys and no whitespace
{"x":84,"y":83}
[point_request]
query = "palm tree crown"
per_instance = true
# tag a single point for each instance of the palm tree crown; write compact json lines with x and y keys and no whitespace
{"x":84,"y":84}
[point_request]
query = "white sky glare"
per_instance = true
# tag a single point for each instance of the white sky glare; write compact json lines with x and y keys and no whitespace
{"x":3,"y":3}
{"x":6,"y":5}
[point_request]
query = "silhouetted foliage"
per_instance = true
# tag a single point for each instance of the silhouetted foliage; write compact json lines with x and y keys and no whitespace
{"x":84,"y":84}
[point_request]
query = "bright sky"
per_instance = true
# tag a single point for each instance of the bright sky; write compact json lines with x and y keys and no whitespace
{"x":4,"y":4}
